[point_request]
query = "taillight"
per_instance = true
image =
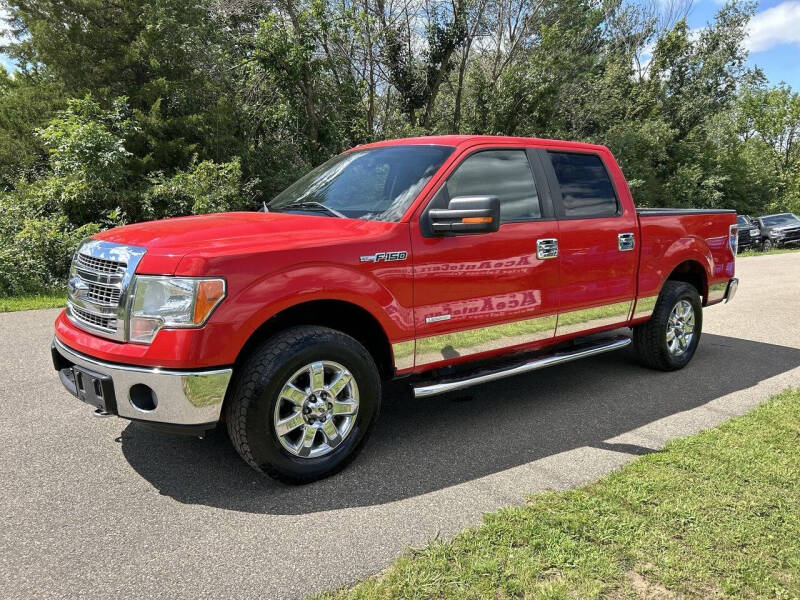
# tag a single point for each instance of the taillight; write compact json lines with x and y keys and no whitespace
{"x":733,"y":238}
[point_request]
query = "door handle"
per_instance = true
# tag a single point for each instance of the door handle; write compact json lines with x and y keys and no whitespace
{"x":626,"y":241}
{"x":546,"y":248}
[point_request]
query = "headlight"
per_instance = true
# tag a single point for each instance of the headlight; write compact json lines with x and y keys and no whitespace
{"x":775,"y":233}
{"x":171,"y":302}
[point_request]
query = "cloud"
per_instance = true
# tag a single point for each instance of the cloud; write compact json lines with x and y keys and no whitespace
{"x":775,"y":26}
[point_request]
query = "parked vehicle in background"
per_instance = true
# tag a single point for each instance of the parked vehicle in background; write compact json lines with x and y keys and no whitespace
{"x":779,"y":230}
{"x":749,"y":233}
{"x":409,"y":258}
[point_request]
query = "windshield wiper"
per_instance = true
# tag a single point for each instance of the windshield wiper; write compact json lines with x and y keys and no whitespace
{"x":314,"y":206}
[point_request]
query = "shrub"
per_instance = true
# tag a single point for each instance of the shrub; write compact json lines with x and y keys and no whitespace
{"x":36,"y":257}
{"x":89,"y":187}
{"x":204,"y":187}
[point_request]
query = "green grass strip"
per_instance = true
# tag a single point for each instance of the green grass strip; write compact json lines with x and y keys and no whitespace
{"x":785,"y":250}
{"x":15,"y":303}
{"x":714,"y":515}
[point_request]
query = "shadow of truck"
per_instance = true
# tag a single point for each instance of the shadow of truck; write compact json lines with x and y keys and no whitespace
{"x":423,"y":445}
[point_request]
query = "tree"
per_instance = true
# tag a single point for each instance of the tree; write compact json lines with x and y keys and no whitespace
{"x":228,"y":101}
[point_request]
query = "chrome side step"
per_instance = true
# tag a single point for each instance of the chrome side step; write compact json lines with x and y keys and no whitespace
{"x":558,"y":358}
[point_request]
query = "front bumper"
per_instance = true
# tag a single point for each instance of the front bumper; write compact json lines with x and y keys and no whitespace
{"x":749,"y":243}
{"x":172,"y":397}
{"x":786,"y":240}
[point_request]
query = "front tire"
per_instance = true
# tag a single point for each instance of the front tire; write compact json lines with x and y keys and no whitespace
{"x":767,"y":245}
{"x":303,"y":403}
{"x":669,"y":339}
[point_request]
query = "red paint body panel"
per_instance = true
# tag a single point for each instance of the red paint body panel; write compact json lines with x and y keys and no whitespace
{"x":669,"y":240}
{"x":274,"y":261}
{"x":594,"y":271}
{"x":270,"y":262}
{"x":483,"y":280}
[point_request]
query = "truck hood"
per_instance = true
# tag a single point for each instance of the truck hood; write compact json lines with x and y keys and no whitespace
{"x":167,"y":241}
{"x":788,"y":227}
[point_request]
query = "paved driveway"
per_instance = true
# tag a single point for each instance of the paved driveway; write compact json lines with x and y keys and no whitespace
{"x":100,"y":507}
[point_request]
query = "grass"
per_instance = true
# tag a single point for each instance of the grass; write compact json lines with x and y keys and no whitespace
{"x":715,"y":515}
{"x":15,"y":303}
{"x":773,"y":251}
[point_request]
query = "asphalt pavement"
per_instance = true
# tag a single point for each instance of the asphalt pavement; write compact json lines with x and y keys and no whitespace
{"x":101,"y":507}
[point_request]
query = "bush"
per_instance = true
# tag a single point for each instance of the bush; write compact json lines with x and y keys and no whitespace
{"x":36,"y":238}
{"x":36,"y":258}
{"x":89,"y":187}
{"x":88,"y":159}
{"x":205,"y":187}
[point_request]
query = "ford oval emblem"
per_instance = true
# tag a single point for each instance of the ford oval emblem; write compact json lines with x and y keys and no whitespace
{"x":77,"y":288}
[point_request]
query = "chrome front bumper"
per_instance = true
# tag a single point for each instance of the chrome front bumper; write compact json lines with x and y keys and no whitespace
{"x":181,"y":398}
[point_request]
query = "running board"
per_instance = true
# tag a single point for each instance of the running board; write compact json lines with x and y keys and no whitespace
{"x":586,"y":350}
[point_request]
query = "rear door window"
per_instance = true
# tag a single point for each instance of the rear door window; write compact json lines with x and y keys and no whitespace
{"x":586,"y":188}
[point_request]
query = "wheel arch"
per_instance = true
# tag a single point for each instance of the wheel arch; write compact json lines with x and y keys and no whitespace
{"x":341,"y":315}
{"x":693,"y":272}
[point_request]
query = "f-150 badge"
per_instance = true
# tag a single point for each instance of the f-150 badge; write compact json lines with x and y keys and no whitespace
{"x":385,"y":256}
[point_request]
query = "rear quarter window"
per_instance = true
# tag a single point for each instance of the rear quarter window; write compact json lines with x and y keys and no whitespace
{"x":586,"y":188}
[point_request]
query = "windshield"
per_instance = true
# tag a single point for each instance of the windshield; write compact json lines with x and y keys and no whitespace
{"x":744,"y":221}
{"x":378,"y":183}
{"x":780,"y":220}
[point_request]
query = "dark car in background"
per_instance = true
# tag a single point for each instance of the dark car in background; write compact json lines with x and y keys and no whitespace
{"x":779,"y":230}
{"x":749,"y":233}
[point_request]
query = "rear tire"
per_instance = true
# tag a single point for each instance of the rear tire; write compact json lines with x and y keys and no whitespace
{"x":669,"y":339}
{"x":288,"y":384}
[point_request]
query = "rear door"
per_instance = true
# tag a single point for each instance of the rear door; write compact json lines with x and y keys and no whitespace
{"x":597,"y":245}
{"x":487,"y":293}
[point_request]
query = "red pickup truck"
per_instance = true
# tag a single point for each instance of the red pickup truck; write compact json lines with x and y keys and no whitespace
{"x":448,"y":261}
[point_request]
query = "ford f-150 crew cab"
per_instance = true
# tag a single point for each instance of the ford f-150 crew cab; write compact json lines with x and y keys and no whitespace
{"x":449,"y":261}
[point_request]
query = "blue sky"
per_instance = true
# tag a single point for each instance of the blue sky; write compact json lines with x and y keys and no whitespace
{"x":774,"y":40}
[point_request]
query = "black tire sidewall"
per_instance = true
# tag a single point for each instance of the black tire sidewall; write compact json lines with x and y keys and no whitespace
{"x":265,"y":447}
{"x":683,"y":292}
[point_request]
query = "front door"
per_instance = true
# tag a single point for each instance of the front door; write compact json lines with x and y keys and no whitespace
{"x":487,"y":293}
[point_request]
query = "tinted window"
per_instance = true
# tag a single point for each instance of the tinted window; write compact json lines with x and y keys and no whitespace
{"x":586,"y":189}
{"x":502,"y":173}
{"x":376,"y":183}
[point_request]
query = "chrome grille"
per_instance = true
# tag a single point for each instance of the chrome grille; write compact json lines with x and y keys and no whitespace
{"x":98,"y":265}
{"x":107,"y":323}
{"x":106,"y":295}
{"x":98,"y":287}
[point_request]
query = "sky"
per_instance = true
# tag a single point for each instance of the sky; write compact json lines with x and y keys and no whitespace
{"x":774,"y":37}
{"x":773,"y":41}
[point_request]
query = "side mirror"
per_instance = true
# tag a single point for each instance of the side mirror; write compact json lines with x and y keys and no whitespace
{"x":466,"y":214}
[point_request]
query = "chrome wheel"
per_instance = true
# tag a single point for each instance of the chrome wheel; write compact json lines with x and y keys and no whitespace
{"x":680,"y":328}
{"x":316,"y":409}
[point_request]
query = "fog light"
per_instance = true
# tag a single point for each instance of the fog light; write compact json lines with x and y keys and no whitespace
{"x":143,"y":397}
